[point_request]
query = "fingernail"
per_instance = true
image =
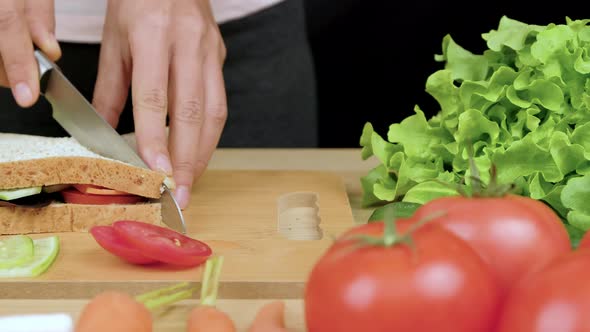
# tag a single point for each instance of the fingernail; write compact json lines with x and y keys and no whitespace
{"x":163,"y":164}
{"x":55,"y":45}
{"x":50,"y":46}
{"x":23,"y":94}
{"x":182,"y":196}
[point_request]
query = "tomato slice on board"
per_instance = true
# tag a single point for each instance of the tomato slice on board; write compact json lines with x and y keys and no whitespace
{"x":97,"y":190}
{"x":163,"y":244}
{"x":109,"y":240}
{"x":73,"y":196}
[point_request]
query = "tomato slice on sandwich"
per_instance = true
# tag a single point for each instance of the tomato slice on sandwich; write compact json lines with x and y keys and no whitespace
{"x":97,"y":190}
{"x":73,"y":196}
{"x":163,"y":244}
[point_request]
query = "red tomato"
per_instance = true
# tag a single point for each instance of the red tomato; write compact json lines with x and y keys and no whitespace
{"x":108,"y":239}
{"x":97,"y":190}
{"x":557,"y":298}
{"x":585,"y":241}
{"x":514,"y":234}
{"x":73,"y":196}
{"x":442,"y":286}
{"x":163,"y":244}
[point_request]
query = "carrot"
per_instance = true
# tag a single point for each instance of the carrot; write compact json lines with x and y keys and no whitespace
{"x":114,"y":311}
{"x":209,"y":319}
{"x":269,"y":318}
{"x":206,"y":317}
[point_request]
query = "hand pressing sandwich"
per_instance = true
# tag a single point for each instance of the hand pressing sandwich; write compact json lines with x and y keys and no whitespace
{"x":170,"y":52}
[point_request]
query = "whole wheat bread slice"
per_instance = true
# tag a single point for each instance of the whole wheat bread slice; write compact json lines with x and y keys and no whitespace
{"x":59,"y":217}
{"x":30,"y":161}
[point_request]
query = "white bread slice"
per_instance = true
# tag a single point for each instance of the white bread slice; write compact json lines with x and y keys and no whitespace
{"x":60,"y":217}
{"x":30,"y":161}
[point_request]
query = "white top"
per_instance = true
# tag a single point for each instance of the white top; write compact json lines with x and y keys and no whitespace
{"x":82,"y":20}
{"x":52,"y":322}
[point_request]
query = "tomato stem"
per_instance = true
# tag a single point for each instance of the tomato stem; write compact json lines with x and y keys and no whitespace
{"x":390,"y":232}
{"x":475,"y":177}
{"x":210,"y":282}
{"x":407,"y":237}
{"x":479,"y":189}
{"x":390,"y":235}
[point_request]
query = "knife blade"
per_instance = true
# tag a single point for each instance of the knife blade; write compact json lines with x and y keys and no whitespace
{"x":79,"y":118}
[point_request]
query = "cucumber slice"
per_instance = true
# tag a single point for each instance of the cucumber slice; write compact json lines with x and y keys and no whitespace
{"x":45,"y":251}
{"x":11,"y":194}
{"x":55,"y":188}
{"x":15,"y":251}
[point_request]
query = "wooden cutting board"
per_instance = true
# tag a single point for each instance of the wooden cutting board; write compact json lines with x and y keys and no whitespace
{"x":262,"y":222}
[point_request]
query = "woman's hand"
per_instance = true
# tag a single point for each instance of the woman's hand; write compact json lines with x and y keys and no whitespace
{"x":22,"y":23}
{"x":172,"y":54}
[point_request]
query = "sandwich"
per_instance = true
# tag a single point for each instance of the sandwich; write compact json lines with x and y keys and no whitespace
{"x":54,"y":184}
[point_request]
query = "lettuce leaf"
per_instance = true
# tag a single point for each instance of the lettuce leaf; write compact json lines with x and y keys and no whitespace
{"x":523,"y":104}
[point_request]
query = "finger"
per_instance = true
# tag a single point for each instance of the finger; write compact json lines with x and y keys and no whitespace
{"x":112,"y":82}
{"x":16,"y":49}
{"x":41,"y":21}
{"x":186,"y":119}
{"x":149,"y":79}
{"x":215,"y":113}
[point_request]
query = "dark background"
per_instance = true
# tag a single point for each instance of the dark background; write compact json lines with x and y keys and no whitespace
{"x":373,"y":57}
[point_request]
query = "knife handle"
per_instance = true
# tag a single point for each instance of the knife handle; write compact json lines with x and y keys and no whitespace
{"x":45,"y":66}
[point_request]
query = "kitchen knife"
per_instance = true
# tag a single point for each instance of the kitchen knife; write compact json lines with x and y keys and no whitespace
{"x":79,"y":118}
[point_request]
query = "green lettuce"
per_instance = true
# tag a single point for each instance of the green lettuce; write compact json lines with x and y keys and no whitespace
{"x":523,"y":105}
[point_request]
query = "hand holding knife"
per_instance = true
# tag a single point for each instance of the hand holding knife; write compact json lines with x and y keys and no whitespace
{"x":79,"y":118}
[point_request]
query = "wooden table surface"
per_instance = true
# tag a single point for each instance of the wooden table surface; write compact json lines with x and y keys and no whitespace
{"x":347,"y":163}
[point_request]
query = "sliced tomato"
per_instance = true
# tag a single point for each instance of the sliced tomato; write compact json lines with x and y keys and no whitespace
{"x":97,"y":190}
{"x":163,"y":244}
{"x":109,"y":240}
{"x":73,"y":196}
